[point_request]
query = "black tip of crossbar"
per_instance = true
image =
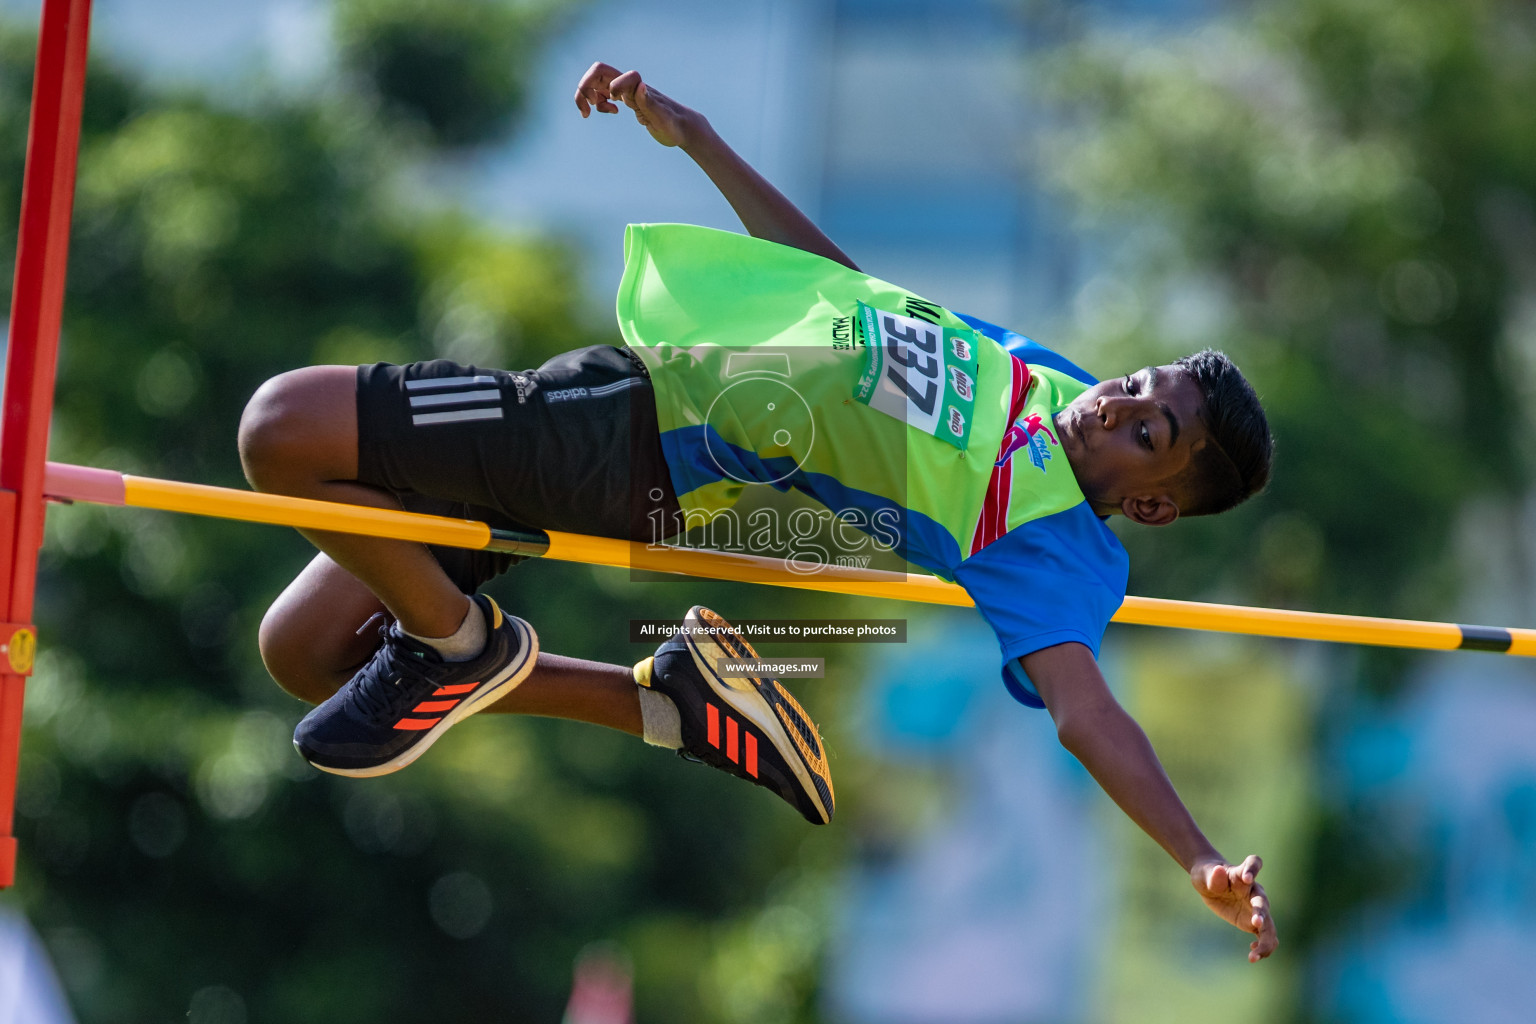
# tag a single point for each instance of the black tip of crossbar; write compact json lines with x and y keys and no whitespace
{"x":1484,"y":638}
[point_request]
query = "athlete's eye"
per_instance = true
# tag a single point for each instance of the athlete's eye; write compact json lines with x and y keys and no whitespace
{"x":1129,"y":384}
{"x":1146,"y":437}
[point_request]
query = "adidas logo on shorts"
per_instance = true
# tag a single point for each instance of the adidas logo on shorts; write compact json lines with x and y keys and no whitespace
{"x":601,"y":391}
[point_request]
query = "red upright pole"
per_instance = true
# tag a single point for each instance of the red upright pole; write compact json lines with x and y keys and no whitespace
{"x":37,"y":304}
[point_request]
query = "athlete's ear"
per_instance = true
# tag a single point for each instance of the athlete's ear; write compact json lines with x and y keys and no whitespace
{"x":1151,"y":509}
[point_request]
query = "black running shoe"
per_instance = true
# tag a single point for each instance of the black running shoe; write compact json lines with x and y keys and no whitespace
{"x":745,"y":725}
{"x":407,"y":696}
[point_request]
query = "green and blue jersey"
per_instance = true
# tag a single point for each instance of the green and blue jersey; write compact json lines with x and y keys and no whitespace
{"x":774,"y":366}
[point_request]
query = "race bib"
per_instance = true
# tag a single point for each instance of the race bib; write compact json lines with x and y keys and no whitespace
{"x":920,"y":373}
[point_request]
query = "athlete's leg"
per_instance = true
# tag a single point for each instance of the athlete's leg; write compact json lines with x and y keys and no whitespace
{"x":760,"y":732}
{"x":320,"y":630}
{"x":318,"y":633}
{"x":551,"y":446}
{"x":298,"y":436}
{"x":583,"y":691}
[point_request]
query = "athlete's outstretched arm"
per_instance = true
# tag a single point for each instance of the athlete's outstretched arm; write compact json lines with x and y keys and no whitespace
{"x":1091,"y":724}
{"x":763,"y":209}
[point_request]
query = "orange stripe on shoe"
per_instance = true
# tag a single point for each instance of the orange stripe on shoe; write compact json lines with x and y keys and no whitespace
{"x":714,"y":725}
{"x":443,"y":691}
{"x":434,"y":705}
{"x":751,"y":755}
{"x":730,"y":739}
{"x":417,"y":723}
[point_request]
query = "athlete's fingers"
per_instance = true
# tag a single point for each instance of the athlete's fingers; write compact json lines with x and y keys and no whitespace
{"x":1249,"y":869}
{"x":593,"y":89}
{"x":600,"y":73}
{"x":603,"y":106}
{"x":1216,"y":880}
{"x":1263,"y":926}
{"x":1265,"y":944}
{"x":645,"y":111}
{"x":626,"y":87}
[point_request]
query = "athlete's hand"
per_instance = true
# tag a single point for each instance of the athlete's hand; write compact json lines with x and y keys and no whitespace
{"x":1235,"y":895}
{"x":670,"y":123}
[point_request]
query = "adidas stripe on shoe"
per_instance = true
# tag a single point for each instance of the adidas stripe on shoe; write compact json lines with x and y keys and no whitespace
{"x":748,"y":726}
{"x":407,"y":696}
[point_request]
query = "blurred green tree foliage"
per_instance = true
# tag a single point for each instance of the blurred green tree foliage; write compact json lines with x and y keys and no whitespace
{"x":1342,"y":195}
{"x":455,"y":69}
{"x":1338,"y":193}
{"x":174,"y":849}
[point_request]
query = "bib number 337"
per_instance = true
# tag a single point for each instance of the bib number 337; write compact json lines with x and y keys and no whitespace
{"x":921,"y":373}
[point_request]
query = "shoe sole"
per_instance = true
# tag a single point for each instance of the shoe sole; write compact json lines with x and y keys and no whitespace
{"x":514,"y":673}
{"x":758,"y":710}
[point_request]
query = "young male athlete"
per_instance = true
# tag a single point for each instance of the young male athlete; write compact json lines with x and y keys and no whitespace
{"x":767,"y":359}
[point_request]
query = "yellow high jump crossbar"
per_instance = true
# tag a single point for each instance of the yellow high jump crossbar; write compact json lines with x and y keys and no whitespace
{"x":63,"y":482}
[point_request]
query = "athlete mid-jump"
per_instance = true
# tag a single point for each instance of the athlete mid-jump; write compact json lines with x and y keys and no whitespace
{"x":972,"y":451}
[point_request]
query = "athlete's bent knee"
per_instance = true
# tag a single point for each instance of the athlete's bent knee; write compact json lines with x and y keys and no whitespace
{"x":294,"y":660}
{"x":269,"y":435}
{"x":283,"y":661}
{"x":299,"y":428}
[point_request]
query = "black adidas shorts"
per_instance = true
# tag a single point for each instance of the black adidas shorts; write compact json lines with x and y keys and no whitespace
{"x":570,"y":446}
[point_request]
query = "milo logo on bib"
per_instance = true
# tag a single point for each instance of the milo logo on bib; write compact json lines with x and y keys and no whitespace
{"x":920,"y":373}
{"x":957,"y":422}
{"x":963,"y":384}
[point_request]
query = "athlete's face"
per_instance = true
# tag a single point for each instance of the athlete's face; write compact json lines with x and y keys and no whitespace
{"x":1130,"y":439}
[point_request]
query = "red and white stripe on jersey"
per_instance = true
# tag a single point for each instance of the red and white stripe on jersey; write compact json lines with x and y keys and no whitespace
{"x":993,"y":521}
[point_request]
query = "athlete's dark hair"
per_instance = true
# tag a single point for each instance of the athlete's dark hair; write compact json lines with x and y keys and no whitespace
{"x":1233,"y":465}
